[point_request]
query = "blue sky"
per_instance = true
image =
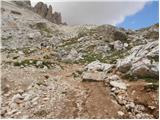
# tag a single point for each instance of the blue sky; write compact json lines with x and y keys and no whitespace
{"x":149,"y":15}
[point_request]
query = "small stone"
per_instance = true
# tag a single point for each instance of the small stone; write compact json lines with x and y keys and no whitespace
{"x":46,"y":76}
{"x":13,"y":112}
{"x":17,"y":98}
{"x":35,"y":99}
{"x":13,"y":106}
{"x":113,"y":89}
{"x":125,"y":45}
{"x":39,"y":63}
{"x":20,"y":53}
{"x":139,"y":108}
{"x":45,"y":67}
{"x":152,"y":107}
{"x":138,"y":116}
{"x":28,"y":104}
{"x":3,"y":112}
{"x":46,"y":99}
{"x":120,"y":113}
{"x":30,"y":61}
{"x":130,"y":105}
{"x":7,"y":94}
{"x":27,"y":97}
{"x":35,"y":103}
{"x":22,"y":66}
{"x":118,"y":84}
{"x":113,"y":78}
{"x":25,"y":117}
{"x":20,"y":91}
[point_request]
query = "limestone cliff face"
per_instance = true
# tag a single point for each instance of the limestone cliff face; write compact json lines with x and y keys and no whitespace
{"x":47,"y":12}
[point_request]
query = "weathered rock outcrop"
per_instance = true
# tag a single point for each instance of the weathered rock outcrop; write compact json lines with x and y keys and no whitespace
{"x":25,"y":3}
{"x":46,"y":12}
{"x":97,"y":65}
{"x":41,"y":9}
{"x":142,"y":61}
{"x":96,"y":71}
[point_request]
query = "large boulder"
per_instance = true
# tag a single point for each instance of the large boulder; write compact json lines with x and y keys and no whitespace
{"x":96,"y":71}
{"x":117,"y":45}
{"x":98,"y":66}
{"x":118,"y":84}
{"x":142,"y":62}
{"x":123,"y":65}
{"x":144,"y":68}
{"x":72,"y":56}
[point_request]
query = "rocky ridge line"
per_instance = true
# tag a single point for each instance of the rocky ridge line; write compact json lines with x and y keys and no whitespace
{"x":43,"y":10}
{"x":47,"y":13}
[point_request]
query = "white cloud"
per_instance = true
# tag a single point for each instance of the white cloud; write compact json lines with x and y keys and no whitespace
{"x":104,"y":12}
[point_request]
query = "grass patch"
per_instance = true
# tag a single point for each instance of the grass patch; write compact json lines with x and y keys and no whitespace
{"x":128,"y":76}
{"x":90,"y":56}
{"x":33,"y":62}
{"x":150,"y":80}
{"x":70,"y":42}
{"x":28,"y":51}
{"x":153,"y":86}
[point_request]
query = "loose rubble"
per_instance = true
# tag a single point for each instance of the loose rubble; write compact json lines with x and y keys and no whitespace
{"x":118,"y":90}
{"x":53,"y":70}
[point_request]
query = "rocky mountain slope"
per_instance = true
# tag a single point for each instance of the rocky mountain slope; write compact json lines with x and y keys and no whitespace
{"x":89,"y":71}
{"x":43,"y":10}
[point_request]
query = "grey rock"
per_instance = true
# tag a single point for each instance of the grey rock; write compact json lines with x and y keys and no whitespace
{"x":95,"y":76}
{"x":125,"y":45}
{"x":120,"y":113}
{"x":130,"y":105}
{"x":113,"y":78}
{"x":144,"y":68}
{"x":118,"y":84}
{"x":38,"y":63}
{"x":124,"y":65}
{"x":73,"y":56}
{"x":17,"y":98}
{"x":142,"y":61}
{"x":118,"y":45}
{"x":98,"y":66}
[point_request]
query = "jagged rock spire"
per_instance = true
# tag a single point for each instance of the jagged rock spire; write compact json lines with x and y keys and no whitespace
{"x":47,"y":12}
